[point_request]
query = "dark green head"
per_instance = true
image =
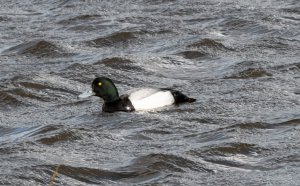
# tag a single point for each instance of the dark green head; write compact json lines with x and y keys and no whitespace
{"x":104,"y":87}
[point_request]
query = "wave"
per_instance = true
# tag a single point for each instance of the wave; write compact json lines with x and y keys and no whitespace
{"x":120,"y":39}
{"x":140,"y":170}
{"x":250,"y":73}
{"x":39,"y":48}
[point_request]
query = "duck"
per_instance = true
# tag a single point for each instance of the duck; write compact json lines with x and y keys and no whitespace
{"x":142,"y":99}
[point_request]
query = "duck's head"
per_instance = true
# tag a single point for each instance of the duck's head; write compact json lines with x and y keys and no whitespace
{"x":104,"y":88}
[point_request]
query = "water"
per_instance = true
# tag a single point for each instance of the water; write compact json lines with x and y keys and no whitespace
{"x":240,"y":59}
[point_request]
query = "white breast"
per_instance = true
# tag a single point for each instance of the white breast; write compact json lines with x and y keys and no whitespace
{"x":150,"y":98}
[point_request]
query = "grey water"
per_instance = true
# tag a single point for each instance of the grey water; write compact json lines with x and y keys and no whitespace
{"x":239,"y":58}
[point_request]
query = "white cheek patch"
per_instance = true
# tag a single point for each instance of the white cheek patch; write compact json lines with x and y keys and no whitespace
{"x":156,"y":100}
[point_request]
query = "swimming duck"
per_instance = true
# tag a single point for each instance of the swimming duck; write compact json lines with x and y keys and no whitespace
{"x":136,"y":100}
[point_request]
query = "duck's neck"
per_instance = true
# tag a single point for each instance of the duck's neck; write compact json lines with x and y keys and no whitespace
{"x":110,"y":98}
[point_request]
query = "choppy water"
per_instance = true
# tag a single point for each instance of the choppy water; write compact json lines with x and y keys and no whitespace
{"x":240,"y":59}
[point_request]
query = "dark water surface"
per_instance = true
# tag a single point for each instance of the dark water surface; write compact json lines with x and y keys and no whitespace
{"x":240,"y":59}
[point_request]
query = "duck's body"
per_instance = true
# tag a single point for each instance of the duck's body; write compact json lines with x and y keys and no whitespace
{"x":150,"y":98}
{"x":136,"y":100}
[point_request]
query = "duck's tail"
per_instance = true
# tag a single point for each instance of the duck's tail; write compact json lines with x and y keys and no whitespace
{"x":190,"y":100}
{"x":181,"y":98}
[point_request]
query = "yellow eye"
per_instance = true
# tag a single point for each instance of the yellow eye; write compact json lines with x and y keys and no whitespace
{"x":99,"y":83}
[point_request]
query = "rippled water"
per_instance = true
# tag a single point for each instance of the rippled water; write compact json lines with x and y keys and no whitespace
{"x":240,"y":59}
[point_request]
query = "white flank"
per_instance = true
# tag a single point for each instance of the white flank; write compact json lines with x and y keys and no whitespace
{"x":149,"y":98}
